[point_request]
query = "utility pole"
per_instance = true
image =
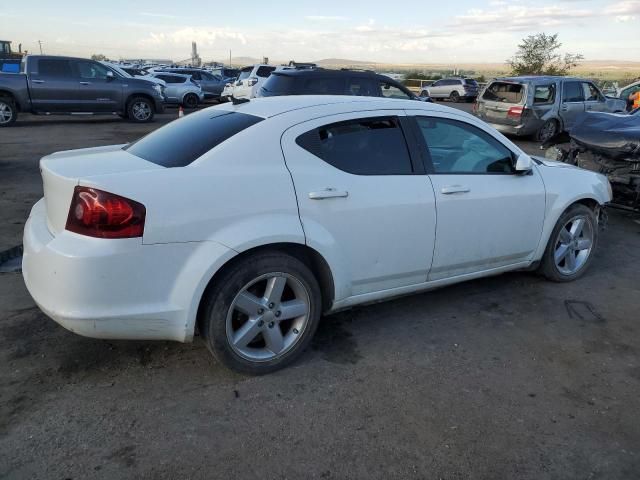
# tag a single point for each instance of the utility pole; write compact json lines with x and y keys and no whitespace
{"x":40,"y":43}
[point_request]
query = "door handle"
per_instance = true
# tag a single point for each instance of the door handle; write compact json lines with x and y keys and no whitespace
{"x":37,"y":81}
{"x":85,"y":83}
{"x":454,"y":189}
{"x":564,"y":109}
{"x":328,"y":193}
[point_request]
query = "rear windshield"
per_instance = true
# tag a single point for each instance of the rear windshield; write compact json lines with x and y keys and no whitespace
{"x":279,"y":84}
{"x":187,"y":139}
{"x":505,"y":92}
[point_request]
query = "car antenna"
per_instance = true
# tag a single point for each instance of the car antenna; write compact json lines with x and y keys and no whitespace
{"x":238,"y":101}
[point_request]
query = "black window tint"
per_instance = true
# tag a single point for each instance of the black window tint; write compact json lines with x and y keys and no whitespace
{"x":195,"y":75}
{"x":265,"y":71}
{"x":544,"y":93}
{"x":437,"y":83}
{"x":187,"y":139}
{"x":371,"y":146}
{"x":54,"y":68}
{"x":572,"y":92}
{"x":322,"y":86}
{"x":470,"y":81}
{"x":362,"y":87}
{"x":278,"y":85}
{"x":457,"y":147}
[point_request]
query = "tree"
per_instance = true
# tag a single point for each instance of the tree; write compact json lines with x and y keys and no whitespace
{"x":538,"y":55}
{"x":98,"y":57}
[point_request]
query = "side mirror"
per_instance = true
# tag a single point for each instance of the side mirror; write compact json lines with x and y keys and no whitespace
{"x":110,"y":76}
{"x":523,"y":164}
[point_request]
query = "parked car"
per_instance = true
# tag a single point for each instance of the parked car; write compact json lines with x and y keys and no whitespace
{"x":181,"y":89}
{"x":134,"y":73}
{"x":626,"y":92}
{"x":282,"y":209}
{"x":320,"y":81}
{"x":212,"y":85}
{"x":249,"y":81}
{"x":541,"y":106}
{"x":454,"y":89}
{"x":65,"y":85}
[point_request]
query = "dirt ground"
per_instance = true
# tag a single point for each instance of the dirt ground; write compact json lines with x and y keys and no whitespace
{"x":510,"y":377}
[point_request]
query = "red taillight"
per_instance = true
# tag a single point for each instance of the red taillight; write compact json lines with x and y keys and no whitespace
{"x":104,"y":215}
{"x":515,"y":112}
{"x":474,"y":107}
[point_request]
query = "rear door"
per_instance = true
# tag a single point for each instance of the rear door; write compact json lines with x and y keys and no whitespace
{"x":364,"y":201}
{"x":488,"y":216}
{"x":53,"y":85}
{"x":97,"y":91}
{"x":572,"y":105}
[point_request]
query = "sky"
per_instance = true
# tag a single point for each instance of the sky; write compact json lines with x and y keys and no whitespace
{"x":383,"y":31}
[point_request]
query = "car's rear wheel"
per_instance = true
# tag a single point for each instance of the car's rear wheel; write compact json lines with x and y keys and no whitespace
{"x":190,"y":100}
{"x":8,"y":112}
{"x":424,"y":93}
{"x":454,"y":97}
{"x":571,"y":245}
{"x":140,"y":110}
{"x":548,"y":130}
{"x":261,"y":313}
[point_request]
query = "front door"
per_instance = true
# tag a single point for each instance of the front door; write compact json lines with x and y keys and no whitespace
{"x":572,"y":105}
{"x":364,"y":202}
{"x":98,"y":89}
{"x":488,"y":216}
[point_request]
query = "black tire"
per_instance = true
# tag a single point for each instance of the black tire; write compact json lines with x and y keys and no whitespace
{"x":140,"y":110}
{"x":424,"y":93}
{"x":190,"y":100}
{"x":548,"y":265}
{"x":219,"y":298}
{"x":454,"y":97}
{"x":8,"y":109}
{"x":549,"y":129}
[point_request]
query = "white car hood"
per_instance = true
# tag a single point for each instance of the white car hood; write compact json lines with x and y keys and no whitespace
{"x":552,"y":163}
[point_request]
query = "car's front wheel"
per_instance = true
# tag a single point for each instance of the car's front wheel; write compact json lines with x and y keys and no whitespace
{"x":571,"y":245}
{"x":261,"y":313}
{"x":140,"y":110}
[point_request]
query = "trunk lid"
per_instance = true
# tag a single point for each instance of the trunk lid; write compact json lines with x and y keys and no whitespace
{"x":62,"y":171}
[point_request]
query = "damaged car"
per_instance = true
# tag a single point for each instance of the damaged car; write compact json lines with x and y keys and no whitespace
{"x":605,"y":143}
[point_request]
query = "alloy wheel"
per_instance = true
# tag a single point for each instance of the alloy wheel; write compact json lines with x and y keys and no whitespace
{"x":547,"y":131}
{"x":141,"y":111}
{"x":6,"y":113}
{"x":267,"y":317}
{"x":574,"y":245}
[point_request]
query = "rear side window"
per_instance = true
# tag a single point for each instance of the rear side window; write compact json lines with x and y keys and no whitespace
{"x":265,"y":71}
{"x":183,"y":141}
{"x":370,"y":146}
{"x":470,"y":82}
{"x":54,"y":68}
{"x":322,"y":86}
{"x":504,"y":92}
{"x":245,"y":72}
{"x":362,"y":87}
{"x":279,"y":84}
{"x":572,"y":92}
{"x":544,"y":94}
{"x":391,"y":91}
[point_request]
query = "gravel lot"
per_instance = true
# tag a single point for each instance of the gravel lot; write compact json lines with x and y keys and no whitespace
{"x":502,"y":378}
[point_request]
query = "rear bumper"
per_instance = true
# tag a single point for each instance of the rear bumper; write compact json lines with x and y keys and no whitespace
{"x":517,"y":130}
{"x":116,"y":289}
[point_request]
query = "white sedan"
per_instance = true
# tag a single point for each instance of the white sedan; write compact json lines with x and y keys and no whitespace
{"x":249,"y":221}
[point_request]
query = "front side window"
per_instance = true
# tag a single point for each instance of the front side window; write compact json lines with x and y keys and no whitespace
{"x":572,"y":92}
{"x":369,"y":146}
{"x":458,"y":148}
{"x":54,"y":68}
{"x":544,"y":94}
{"x":92,"y":71}
{"x":179,"y":143}
{"x":591,"y":93}
{"x":391,"y":91}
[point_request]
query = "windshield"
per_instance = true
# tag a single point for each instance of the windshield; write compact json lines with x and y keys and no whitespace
{"x":117,"y":69}
{"x":245,"y":73}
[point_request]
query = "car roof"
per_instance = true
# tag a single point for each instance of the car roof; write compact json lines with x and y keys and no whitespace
{"x":268,"y":107}
{"x":536,"y":78}
{"x":171,"y":74}
{"x":324,"y":72}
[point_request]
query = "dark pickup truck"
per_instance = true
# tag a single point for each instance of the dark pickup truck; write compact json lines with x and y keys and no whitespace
{"x":68,"y":86}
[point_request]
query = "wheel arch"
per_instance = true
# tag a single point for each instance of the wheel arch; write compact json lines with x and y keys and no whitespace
{"x":136,"y":95}
{"x":307,"y":255}
{"x":11,"y":95}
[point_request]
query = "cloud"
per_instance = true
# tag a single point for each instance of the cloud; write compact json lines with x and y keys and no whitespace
{"x":627,"y":7}
{"x":184,"y":36}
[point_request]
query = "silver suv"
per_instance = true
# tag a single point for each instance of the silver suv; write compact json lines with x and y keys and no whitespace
{"x":454,"y":89}
{"x":541,"y":106}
